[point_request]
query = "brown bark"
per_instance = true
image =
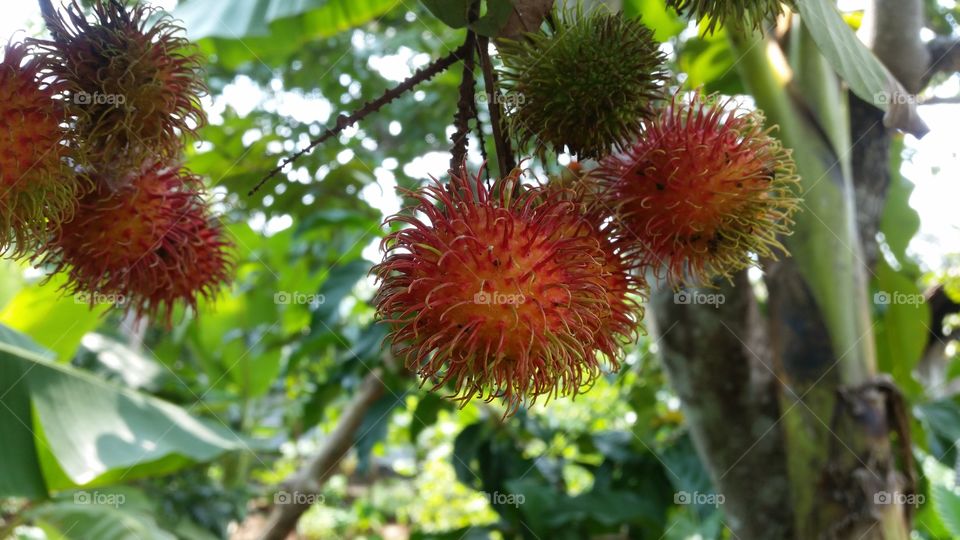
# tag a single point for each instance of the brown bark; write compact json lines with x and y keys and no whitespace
{"x":716,"y":358}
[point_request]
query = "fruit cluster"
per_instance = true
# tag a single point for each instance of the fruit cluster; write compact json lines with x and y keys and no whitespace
{"x":90,"y":176}
{"x":514,"y":291}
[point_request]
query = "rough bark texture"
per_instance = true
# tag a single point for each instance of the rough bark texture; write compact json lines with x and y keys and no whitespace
{"x":716,"y":361}
{"x":871,"y":173}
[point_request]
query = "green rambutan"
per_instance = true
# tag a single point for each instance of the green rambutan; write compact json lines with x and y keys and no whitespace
{"x":704,"y":186}
{"x":739,"y":14}
{"x":585,"y":83}
{"x":37,"y":188}
{"x":146,"y":245}
{"x":133,"y":85}
{"x":499,"y":289}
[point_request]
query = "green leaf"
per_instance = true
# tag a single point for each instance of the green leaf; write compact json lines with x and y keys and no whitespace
{"x":373,"y":429}
{"x":57,"y":321}
{"x":267,"y":31}
{"x":862,"y":71}
{"x":426,"y":413}
{"x":100,"y":521}
{"x":453,"y":13}
{"x":903,"y":325}
{"x":899,"y":222}
{"x":84,"y":431}
{"x":664,"y":22}
{"x":947,"y":503}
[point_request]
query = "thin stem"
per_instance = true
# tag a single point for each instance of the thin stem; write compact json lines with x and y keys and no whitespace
{"x":345,"y":121}
{"x":505,"y":158}
{"x":466,"y":106}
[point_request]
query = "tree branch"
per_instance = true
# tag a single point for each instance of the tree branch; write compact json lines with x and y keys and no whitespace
{"x":466,"y":105}
{"x":718,"y":363}
{"x":505,"y":159}
{"x":345,"y":121}
{"x":310,"y":478}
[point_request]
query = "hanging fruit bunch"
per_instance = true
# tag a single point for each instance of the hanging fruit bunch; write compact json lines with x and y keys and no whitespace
{"x":513,"y":289}
{"x":92,"y":179}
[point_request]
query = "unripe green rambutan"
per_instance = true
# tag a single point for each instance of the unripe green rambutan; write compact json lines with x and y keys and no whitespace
{"x":133,"y":85}
{"x":499,"y":290}
{"x":147,"y":245}
{"x":702,"y":188}
{"x":739,"y":14}
{"x":585,"y":84}
{"x":37,"y":188}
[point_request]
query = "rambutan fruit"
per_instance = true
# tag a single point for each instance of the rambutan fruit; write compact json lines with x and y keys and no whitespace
{"x":146,"y":245}
{"x":498,"y":289}
{"x":585,"y":83}
{"x":37,"y":187}
{"x":623,"y":279}
{"x":704,"y":186}
{"x":739,"y":14}
{"x":133,"y":84}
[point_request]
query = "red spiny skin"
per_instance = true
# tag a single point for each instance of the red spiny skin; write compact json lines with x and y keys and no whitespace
{"x":36,"y":187}
{"x":147,"y":245}
{"x":703,"y":187}
{"x":488,"y":292}
{"x":133,"y":85}
{"x":623,"y":281}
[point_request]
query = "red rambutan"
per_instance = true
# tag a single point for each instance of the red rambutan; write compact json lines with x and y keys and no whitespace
{"x":133,"y":84}
{"x":146,"y":245}
{"x":623,"y":280}
{"x":37,"y":188}
{"x":499,"y":291}
{"x":703,"y":187}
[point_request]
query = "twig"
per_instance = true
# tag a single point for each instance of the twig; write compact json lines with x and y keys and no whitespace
{"x":466,"y":105}
{"x":480,"y":138}
{"x":505,"y":158}
{"x":345,"y":121}
{"x":311,"y":477}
